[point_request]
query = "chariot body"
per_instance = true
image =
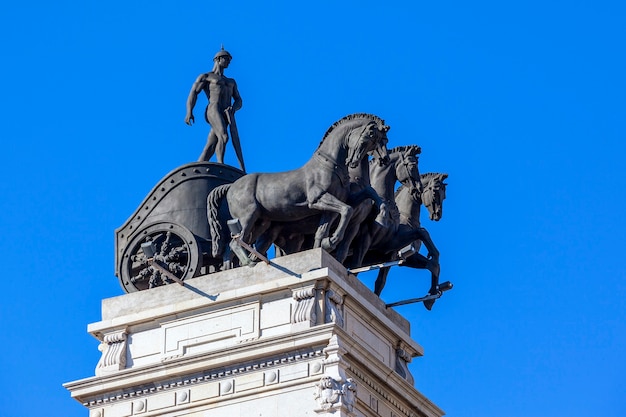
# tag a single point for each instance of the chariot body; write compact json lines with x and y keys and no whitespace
{"x":167,"y":238}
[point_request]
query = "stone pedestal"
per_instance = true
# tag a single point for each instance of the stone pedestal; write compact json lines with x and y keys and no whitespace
{"x":300,"y":337}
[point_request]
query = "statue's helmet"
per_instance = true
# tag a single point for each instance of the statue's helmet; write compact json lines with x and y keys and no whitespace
{"x":222,"y":52}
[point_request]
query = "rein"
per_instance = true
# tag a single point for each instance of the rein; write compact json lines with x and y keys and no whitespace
{"x":330,"y":164}
{"x":415,"y":185}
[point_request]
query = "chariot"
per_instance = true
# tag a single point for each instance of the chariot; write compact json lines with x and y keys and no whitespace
{"x":167,"y":238}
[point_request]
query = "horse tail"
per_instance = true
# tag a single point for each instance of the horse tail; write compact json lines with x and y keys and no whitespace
{"x":213,"y":204}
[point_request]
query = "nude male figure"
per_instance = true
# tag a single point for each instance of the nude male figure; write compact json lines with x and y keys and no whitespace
{"x":224,"y":101}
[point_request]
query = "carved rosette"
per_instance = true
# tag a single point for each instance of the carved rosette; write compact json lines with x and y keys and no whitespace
{"x":304,"y":309}
{"x":113,"y":348}
{"x":332,"y":394}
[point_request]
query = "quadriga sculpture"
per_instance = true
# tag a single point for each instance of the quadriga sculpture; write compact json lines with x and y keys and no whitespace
{"x":321,"y":186}
{"x":384,"y":246}
{"x":401,"y":165}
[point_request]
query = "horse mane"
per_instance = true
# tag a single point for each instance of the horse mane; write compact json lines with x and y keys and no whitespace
{"x":380,"y":122}
{"x":414,"y":150}
{"x":425,"y":178}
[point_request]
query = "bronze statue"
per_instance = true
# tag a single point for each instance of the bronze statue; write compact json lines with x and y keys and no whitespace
{"x":383,"y":244}
{"x":340,"y":200}
{"x":224,"y":101}
{"x":321,"y":186}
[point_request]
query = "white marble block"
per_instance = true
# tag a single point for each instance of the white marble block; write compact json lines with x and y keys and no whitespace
{"x":300,"y":337}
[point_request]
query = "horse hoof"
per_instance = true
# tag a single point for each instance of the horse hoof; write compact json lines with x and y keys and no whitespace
{"x":327,"y":245}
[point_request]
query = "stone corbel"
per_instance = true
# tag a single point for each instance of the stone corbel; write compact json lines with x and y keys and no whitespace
{"x":305,"y":306}
{"x":403,"y":358}
{"x":317,"y":304}
{"x":335,"y":394}
{"x":113,"y":348}
{"x":334,"y":308}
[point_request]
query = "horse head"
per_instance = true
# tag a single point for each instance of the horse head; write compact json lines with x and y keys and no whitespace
{"x":433,"y":194}
{"x":370,"y":138}
{"x":406,"y":168}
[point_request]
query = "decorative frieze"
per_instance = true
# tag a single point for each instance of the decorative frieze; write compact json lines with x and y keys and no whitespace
{"x":227,"y":380}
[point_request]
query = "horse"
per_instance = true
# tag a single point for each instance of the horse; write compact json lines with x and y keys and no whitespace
{"x":401,"y":165}
{"x":321,"y":186}
{"x":384,"y":248}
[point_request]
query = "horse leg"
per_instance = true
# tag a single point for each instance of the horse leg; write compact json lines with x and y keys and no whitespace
{"x":360,"y":248}
{"x":247,"y":222}
{"x":381,"y":279}
{"x":361,"y":212}
{"x":424,"y":236}
{"x":294,"y":243}
{"x":368,"y":193}
{"x":327,"y":202}
{"x":267,"y":238}
{"x":421,"y":262}
{"x":323,"y":229}
{"x":258,"y":231}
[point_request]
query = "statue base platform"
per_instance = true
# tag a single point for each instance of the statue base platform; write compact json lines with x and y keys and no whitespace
{"x":298,"y":337}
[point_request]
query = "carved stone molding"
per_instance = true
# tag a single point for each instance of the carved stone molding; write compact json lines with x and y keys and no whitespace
{"x":383,"y":392}
{"x":403,"y":358}
{"x":334,"y":352}
{"x":332,"y":394}
{"x":276,"y":370}
{"x":334,"y":310}
{"x":305,"y":309}
{"x":113,"y":348}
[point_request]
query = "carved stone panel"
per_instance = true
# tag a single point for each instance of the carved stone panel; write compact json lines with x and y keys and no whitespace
{"x":211,"y":330}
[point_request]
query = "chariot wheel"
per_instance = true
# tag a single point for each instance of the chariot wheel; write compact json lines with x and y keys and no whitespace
{"x":174,"y":248}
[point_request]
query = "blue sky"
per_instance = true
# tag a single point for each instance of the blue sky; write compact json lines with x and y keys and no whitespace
{"x":521,"y":103}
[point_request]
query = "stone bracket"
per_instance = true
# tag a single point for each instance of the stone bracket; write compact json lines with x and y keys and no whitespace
{"x":113,"y":348}
{"x":403,"y":358}
{"x":317,"y":304}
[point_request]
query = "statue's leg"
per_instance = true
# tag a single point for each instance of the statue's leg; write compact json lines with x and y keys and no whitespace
{"x":219,"y":134}
{"x":209,"y":148}
{"x":220,"y":147}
